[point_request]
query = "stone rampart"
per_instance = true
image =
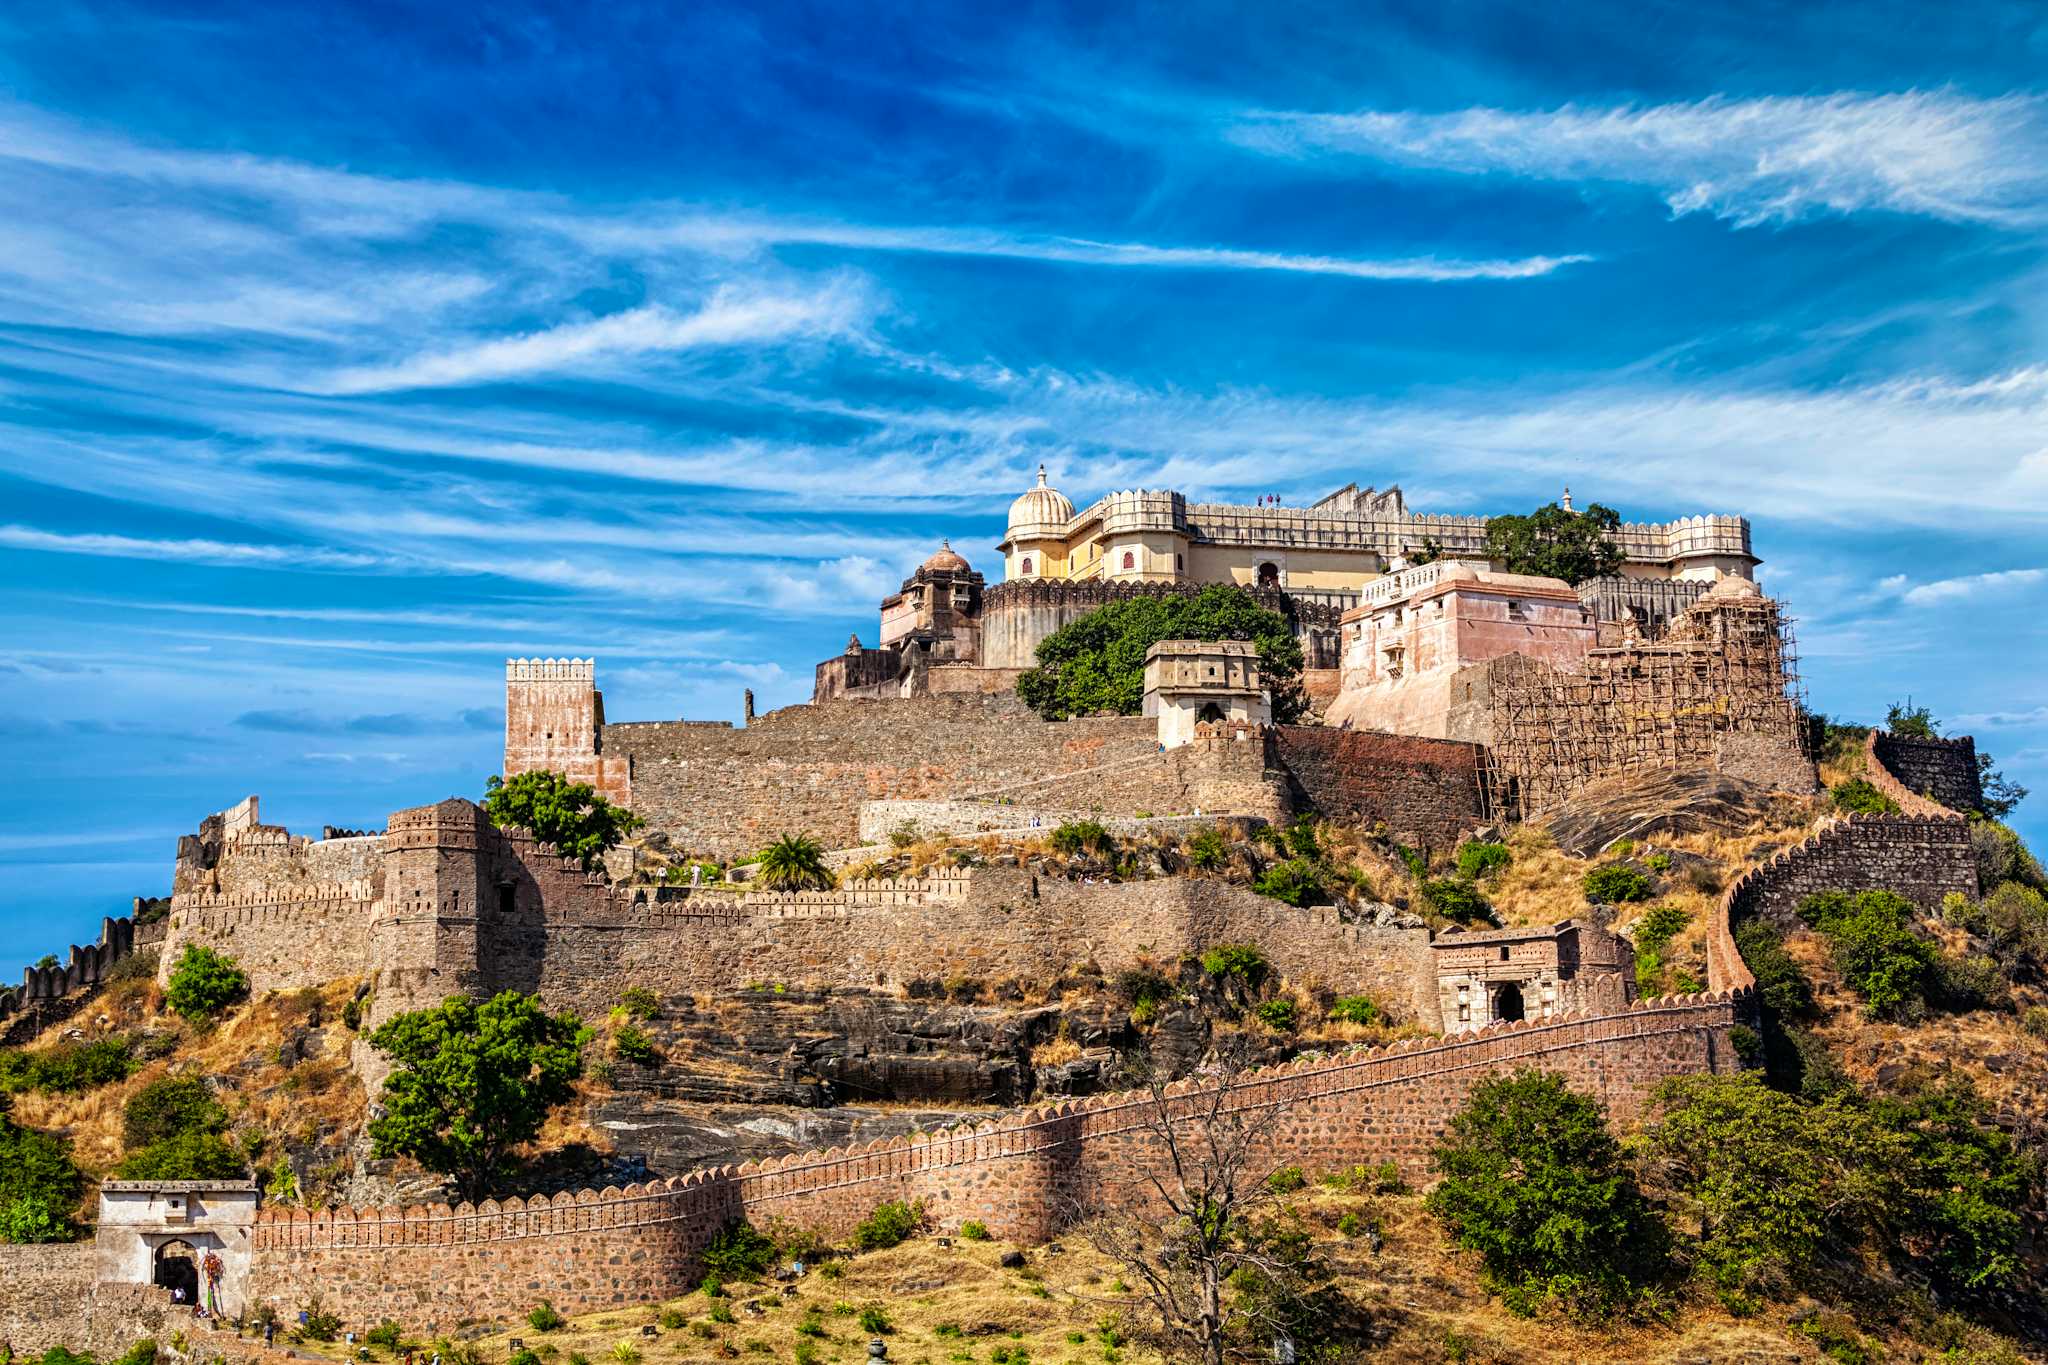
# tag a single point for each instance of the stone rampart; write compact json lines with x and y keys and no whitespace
{"x":1922,"y":858}
{"x":1426,"y":791}
{"x":295,"y":933}
{"x":40,"y":1000}
{"x":582,"y":950}
{"x":806,"y":769}
{"x":1022,"y":1175}
{"x":881,"y":819}
{"x":1925,"y":776}
{"x":45,"y":1295}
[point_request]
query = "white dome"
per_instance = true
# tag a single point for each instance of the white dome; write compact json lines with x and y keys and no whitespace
{"x":1042,"y":511}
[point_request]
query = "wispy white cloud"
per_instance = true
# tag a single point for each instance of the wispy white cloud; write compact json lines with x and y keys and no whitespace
{"x":734,"y":234}
{"x":187,"y":551}
{"x":1973,"y":586}
{"x":730,"y":317}
{"x":1941,"y":154}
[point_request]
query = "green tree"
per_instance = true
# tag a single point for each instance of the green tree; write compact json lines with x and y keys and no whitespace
{"x":1554,"y":543}
{"x":1097,"y":662}
{"x":569,"y":815}
{"x":203,"y":983}
{"x":39,"y":1185}
{"x":794,"y":862}
{"x":473,"y":1081}
{"x":1967,"y":1185}
{"x":1874,"y":945}
{"x":1916,"y":722}
{"x":1534,"y":1182}
{"x":1763,"y":1182}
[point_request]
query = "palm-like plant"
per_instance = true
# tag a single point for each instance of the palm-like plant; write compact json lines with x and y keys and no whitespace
{"x":794,"y":862}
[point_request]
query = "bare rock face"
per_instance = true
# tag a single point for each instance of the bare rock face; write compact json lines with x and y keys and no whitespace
{"x":1665,"y":802}
{"x":668,"y":1137}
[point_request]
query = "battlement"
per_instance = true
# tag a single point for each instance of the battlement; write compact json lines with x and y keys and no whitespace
{"x":550,"y":670}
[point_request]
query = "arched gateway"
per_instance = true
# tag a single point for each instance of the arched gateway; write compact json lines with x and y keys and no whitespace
{"x":190,"y":1235}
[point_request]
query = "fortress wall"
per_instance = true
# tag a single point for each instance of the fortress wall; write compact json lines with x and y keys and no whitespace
{"x":428,"y":1266}
{"x":293,"y":935}
{"x":585,"y":946}
{"x":807,"y":769}
{"x":1925,"y":776}
{"x":1427,"y":791}
{"x":1922,"y":858}
{"x":48,"y":1294}
{"x":1214,"y":773}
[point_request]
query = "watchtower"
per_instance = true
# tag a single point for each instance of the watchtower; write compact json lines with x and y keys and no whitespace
{"x":1188,"y":682}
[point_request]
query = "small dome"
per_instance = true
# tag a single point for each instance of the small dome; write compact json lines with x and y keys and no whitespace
{"x":946,"y":559}
{"x":1042,"y":511}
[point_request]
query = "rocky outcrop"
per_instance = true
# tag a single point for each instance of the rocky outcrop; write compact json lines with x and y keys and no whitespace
{"x":1665,"y":802}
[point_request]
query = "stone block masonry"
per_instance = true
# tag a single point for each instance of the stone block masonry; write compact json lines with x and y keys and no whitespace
{"x":726,"y":792}
{"x":1922,"y":858}
{"x":429,"y":1267}
{"x":1925,"y":776}
{"x":1425,"y":791}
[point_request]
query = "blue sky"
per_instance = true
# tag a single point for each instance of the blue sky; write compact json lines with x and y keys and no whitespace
{"x":347,"y":349}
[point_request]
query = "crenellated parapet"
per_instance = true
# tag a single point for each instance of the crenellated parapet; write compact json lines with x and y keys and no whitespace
{"x":1925,"y":775}
{"x":1015,"y":1174}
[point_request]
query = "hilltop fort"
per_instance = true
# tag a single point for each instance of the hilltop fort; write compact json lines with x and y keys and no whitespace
{"x":1449,"y":696}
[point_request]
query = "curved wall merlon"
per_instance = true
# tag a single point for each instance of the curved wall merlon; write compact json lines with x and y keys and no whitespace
{"x":1925,"y":776}
{"x":427,"y":1266}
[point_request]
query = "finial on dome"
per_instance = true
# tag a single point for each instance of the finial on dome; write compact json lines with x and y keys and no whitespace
{"x":1041,"y":473}
{"x":1567,"y":497}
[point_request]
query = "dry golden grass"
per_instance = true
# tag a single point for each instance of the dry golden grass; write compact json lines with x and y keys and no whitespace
{"x":956,"y":1304}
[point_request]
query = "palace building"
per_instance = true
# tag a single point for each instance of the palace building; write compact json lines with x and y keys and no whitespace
{"x":948,"y":631}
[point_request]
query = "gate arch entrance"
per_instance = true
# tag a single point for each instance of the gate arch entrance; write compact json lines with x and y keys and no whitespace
{"x":177,"y":1269}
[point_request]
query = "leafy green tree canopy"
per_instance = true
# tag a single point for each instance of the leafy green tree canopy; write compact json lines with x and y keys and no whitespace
{"x":473,"y":1081}
{"x":1097,"y":663}
{"x":39,"y":1185}
{"x":1554,"y":543}
{"x":1534,"y":1182}
{"x":203,"y":983}
{"x":195,"y":1154}
{"x":569,"y":815}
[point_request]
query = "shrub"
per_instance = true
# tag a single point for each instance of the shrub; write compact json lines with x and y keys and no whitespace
{"x":812,"y":1325}
{"x":625,"y":1353}
{"x":635,"y":1046}
{"x":806,"y":1352}
{"x":385,"y":1334}
{"x":1286,"y":1180}
{"x":1281,"y":1014}
{"x":721,"y":1311}
{"x":889,"y":1225}
{"x":874,"y":1320}
{"x":1241,"y":961}
{"x":1207,"y":850}
{"x":1355,"y":1009}
{"x":203,"y":983}
{"x":167,"y":1107}
{"x":1458,"y":900}
{"x":1534,"y":1182}
{"x":640,"y":1002}
{"x":194,"y":1154}
{"x":66,"y":1068}
{"x":1076,"y":837}
{"x":320,"y":1325}
{"x":671,"y":1319}
{"x":1296,"y":881}
{"x":1476,"y":859}
{"x":1301,"y":838}
{"x":974,"y":1230}
{"x":1873,"y":944}
{"x":739,"y":1251}
{"x":1615,"y":883}
{"x":1661,"y":923}
{"x":1962,"y":984}
{"x":1858,"y":797}
{"x":544,"y":1318}
{"x":143,"y":1352}
{"x":523,"y":1356}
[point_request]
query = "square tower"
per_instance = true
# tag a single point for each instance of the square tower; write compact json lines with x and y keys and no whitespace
{"x":554,"y":721}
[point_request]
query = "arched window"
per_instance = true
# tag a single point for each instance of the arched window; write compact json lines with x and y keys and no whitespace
{"x":1269,"y":575}
{"x":1027,"y":563}
{"x":1130,"y":560}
